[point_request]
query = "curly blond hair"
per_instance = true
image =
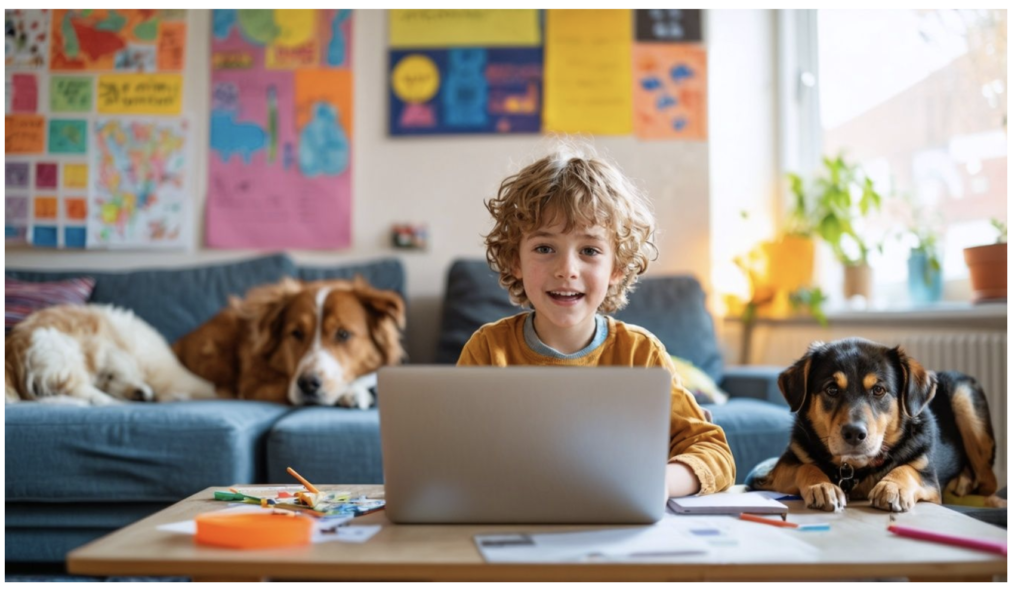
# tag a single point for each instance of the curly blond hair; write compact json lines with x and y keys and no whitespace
{"x":581,"y":192}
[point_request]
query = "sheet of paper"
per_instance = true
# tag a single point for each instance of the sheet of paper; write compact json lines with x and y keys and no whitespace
{"x":428,"y":28}
{"x":728,"y":539}
{"x":588,"y":72}
{"x":281,"y":123}
{"x":670,"y":91}
{"x":655,"y":542}
{"x":158,"y":94}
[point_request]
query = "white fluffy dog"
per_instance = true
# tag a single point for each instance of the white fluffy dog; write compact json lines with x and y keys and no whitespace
{"x":96,"y":354}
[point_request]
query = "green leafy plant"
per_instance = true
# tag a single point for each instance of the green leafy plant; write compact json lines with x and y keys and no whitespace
{"x":811,"y":299}
{"x":830,"y":205}
{"x":1000,"y":227}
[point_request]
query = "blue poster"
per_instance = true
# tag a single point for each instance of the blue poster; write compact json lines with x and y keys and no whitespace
{"x":465,"y":91}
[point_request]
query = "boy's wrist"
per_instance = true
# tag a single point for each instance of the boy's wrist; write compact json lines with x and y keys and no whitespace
{"x":680,"y":480}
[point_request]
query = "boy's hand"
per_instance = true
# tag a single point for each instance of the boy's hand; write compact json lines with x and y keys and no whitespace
{"x":680,"y":481}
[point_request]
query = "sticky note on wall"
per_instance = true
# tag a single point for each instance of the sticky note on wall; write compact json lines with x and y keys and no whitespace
{"x":139,"y":94}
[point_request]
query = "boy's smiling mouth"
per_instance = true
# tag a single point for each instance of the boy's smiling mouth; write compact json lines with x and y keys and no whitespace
{"x":565,"y":296}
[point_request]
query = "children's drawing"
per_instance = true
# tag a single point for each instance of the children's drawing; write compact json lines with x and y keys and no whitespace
{"x":670,"y":93}
{"x":25,"y":38}
{"x":139,"y":185}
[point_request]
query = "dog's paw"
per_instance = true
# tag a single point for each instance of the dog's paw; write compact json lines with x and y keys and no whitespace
{"x":892,"y":496}
{"x":825,"y":496}
{"x":963,"y":484}
{"x":356,"y":397}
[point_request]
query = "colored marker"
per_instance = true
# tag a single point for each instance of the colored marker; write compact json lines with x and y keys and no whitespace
{"x":991,"y":546}
{"x":304,"y":482}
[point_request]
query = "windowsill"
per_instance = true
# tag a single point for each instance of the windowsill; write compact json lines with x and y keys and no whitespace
{"x":989,"y":315}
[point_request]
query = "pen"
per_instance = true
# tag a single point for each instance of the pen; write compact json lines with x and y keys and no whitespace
{"x":771,"y":522}
{"x":991,"y":546}
{"x":304,"y":482}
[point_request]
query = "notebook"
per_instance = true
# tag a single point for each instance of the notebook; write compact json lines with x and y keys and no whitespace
{"x":728,"y":504}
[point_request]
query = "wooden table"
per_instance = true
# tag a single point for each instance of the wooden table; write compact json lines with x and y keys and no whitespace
{"x":858,"y":546}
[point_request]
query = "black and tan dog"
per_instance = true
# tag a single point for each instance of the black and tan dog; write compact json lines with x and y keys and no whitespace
{"x":872,"y":423}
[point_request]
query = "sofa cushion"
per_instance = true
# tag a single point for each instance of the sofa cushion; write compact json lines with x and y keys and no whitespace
{"x":132,"y":452}
{"x":672,"y":308}
{"x":327,"y":446}
{"x":385,"y":274}
{"x":755,"y":430}
{"x":175,"y":301}
{"x":22,"y":298}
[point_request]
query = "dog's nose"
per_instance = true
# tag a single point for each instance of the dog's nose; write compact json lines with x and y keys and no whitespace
{"x":309,"y":384}
{"x":854,"y":433}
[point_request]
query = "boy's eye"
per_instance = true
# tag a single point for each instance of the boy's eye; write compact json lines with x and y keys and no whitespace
{"x":591,"y":252}
{"x":542,"y":249}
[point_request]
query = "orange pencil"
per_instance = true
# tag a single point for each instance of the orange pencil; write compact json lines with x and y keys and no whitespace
{"x":304,"y":482}
{"x":770,"y":522}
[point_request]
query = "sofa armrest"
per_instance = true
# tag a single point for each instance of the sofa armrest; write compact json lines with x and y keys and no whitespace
{"x":761,"y":382}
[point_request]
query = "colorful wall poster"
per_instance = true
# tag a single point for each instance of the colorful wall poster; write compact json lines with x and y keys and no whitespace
{"x":670,"y":91}
{"x":158,"y":94}
{"x":24,"y":133}
{"x":22,"y":93}
{"x":428,"y":28}
{"x":25,"y":38}
{"x":465,"y":90}
{"x":668,"y":25}
{"x":139,"y":191}
{"x":139,"y":40}
{"x":588,"y":72}
{"x":280,"y":159}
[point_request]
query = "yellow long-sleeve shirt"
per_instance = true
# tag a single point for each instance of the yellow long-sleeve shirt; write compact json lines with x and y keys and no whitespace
{"x":692,"y":440}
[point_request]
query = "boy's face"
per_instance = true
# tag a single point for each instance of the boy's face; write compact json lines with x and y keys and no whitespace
{"x":566,"y":275}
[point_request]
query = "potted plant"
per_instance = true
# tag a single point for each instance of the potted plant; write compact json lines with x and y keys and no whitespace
{"x":924,"y":270}
{"x":836,"y":202}
{"x":987,"y":265}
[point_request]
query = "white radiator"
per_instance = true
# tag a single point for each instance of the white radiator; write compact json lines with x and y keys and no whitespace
{"x":977,"y":351}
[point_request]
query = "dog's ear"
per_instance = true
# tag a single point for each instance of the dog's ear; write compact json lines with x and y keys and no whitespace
{"x":917,"y":384}
{"x":387,"y":314}
{"x":793,"y":380}
{"x":263,"y":308}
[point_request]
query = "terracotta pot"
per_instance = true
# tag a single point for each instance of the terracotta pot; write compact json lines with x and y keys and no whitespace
{"x":857,"y":281}
{"x":987,"y":265}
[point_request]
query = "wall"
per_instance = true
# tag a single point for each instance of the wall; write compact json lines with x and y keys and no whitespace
{"x":443,"y":181}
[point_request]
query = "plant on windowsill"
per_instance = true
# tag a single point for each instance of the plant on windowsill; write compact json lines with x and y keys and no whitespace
{"x":829,"y":206}
{"x":987,"y":265}
{"x":924,"y":269}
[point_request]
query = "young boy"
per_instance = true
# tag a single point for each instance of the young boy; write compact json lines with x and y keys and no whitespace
{"x":571,"y":236}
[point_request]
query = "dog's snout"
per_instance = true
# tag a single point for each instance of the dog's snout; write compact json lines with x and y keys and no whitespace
{"x":309,"y":384}
{"x":854,"y":433}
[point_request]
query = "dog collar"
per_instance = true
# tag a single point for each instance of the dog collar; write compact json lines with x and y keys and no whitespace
{"x":844,"y":477}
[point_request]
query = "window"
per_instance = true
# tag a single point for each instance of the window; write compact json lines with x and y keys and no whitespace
{"x":918,"y":98}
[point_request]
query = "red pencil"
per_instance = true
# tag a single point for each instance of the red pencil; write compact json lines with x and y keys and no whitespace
{"x":770,"y":522}
{"x":991,"y":546}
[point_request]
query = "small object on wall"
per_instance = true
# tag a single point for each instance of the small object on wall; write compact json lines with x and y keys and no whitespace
{"x":409,"y":236}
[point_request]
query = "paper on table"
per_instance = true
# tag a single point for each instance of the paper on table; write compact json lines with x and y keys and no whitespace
{"x":621,"y":545}
{"x":728,"y":539}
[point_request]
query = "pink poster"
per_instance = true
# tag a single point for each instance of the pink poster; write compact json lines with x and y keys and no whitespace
{"x":280,"y":130}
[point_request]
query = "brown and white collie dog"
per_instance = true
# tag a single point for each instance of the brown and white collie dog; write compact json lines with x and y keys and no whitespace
{"x":94,"y":354}
{"x":300,"y":343}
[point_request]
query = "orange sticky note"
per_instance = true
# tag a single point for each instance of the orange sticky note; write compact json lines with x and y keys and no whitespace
{"x":24,"y":133}
{"x":76,"y":175}
{"x":74,"y":209}
{"x":170,"y":53}
{"x":46,"y":207}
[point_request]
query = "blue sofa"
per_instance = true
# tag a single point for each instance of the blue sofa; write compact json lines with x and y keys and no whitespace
{"x":75,"y":474}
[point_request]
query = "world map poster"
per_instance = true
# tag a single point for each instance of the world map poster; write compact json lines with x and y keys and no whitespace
{"x":280,"y":160}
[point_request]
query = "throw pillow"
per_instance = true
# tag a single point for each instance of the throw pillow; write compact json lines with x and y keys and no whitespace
{"x":699,"y":383}
{"x":23,"y":298}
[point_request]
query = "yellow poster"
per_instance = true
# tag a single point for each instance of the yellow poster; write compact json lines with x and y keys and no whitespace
{"x":426,"y":28}
{"x":295,"y":45}
{"x":588,"y":81}
{"x":139,"y":94}
{"x":76,"y":175}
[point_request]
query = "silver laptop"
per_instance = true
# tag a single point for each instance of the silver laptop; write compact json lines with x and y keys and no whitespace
{"x":524,"y":444}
